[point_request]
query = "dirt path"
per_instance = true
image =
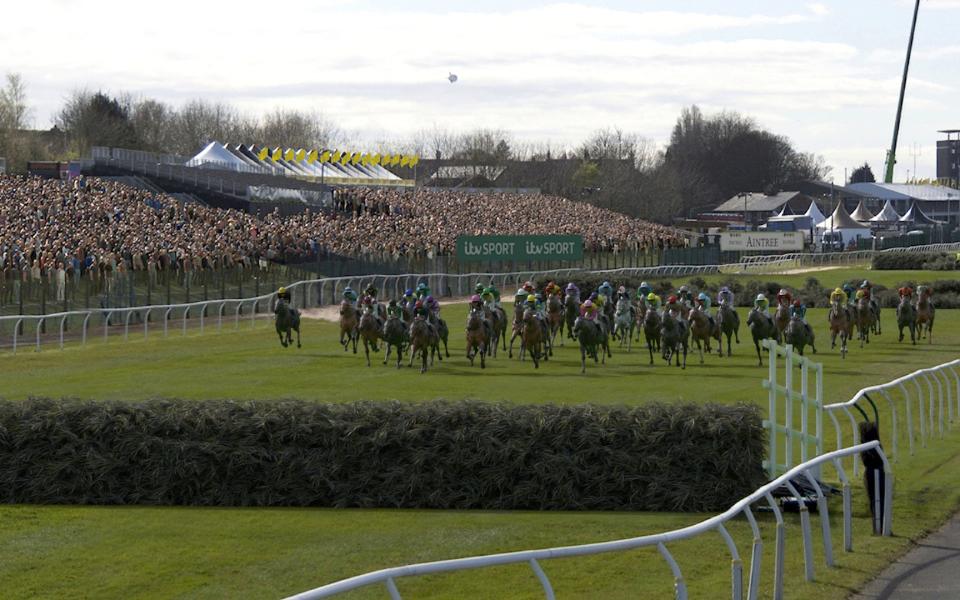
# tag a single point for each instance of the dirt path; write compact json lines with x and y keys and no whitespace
{"x":332,"y":313}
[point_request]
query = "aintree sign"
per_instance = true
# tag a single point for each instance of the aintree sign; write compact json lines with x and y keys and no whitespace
{"x":519,"y":247}
{"x":770,"y":241}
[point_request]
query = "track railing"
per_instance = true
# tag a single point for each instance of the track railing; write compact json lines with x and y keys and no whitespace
{"x":715,"y":524}
{"x":15,"y":330}
{"x":928,"y":401}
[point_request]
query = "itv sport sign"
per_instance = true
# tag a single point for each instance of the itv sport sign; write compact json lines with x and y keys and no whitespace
{"x":519,"y":247}
{"x":769,"y":241}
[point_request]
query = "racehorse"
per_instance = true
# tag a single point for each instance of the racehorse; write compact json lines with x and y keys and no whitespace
{"x":554,"y":317}
{"x":907,"y":317}
{"x":781,"y":319}
{"x":571,"y":312}
{"x":925,"y":314}
{"x":394,"y":335}
{"x":590,"y":335}
{"x":674,"y":334}
{"x":623,"y":323}
{"x":651,"y":330}
{"x":799,"y":335}
{"x":348,"y":326}
{"x":840,"y":325}
{"x":729,"y":323}
{"x":865,"y":319}
{"x":287,"y":320}
{"x":702,"y":330}
{"x":443,"y":332}
{"x":517,"y":326}
{"x":761,"y":328}
{"x":423,"y":341}
{"x":370,"y":330}
{"x":498,"y":327}
{"x":532,"y":337}
{"x":478,"y":336}
{"x":876,"y":314}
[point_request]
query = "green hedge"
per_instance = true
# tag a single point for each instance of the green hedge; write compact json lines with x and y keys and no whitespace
{"x":464,"y":455}
{"x":907,"y":261}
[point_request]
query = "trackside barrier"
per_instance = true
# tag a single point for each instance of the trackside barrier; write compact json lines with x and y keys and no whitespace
{"x":326,"y":291}
{"x":783,"y":437}
{"x":932,"y":394}
{"x":532,"y":558}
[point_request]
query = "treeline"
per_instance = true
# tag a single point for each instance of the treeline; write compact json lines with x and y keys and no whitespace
{"x":708,"y":159}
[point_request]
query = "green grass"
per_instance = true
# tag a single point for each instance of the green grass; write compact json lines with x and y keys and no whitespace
{"x":113,"y":552}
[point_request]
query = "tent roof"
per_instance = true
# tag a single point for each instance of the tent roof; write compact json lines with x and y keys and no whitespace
{"x":215,"y":152}
{"x":861,"y":214}
{"x":917,"y":216}
{"x":841,"y":220}
{"x":785,"y":211}
{"x":757,"y":202}
{"x":887,"y":215}
{"x":814,"y":213}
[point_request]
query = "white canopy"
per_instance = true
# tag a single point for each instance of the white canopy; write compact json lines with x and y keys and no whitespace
{"x":814,"y":213}
{"x":887,"y":215}
{"x":840,"y":221}
{"x":217,"y":156}
{"x":861,"y":214}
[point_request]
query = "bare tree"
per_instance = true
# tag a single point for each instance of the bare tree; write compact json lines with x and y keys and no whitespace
{"x":14,"y":111}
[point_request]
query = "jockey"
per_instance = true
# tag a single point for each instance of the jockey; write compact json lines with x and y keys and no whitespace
{"x":685,"y":297}
{"x":850,"y":292}
{"x":644,"y":290}
{"x":703,"y":304}
{"x":349,"y":296}
{"x":673,"y":305}
{"x":838,"y":295}
{"x":622,"y":294}
{"x":552,"y":289}
{"x":589,"y":311}
{"x":432,"y":305}
{"x":653,"y":301}
{"x":491,"y":296}
{"x":520,"y":297}
{"x":478,"y":289}
{"x":408,"y":299}
{"x":394,"y":311}
{"x":725,"y":296}
{"x":605,"y":289}
{"x":598,"y":300}
{"x":283,"y":294}
{"x":924,"y":291}
{"x":762,"y":305}
{"x":476,"y":302}
{"x":573,"y":290}
{"x":422,"y":290}
{"x":867,"y":287}
{"x":420,"y":311}
{"x":798,"y":310}
{"x":784,"y":297}
{"x":528,"y":287}
{"x":905,"y":292}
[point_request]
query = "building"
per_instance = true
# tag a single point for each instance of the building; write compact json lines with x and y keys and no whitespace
{"x":948,"y":158}
{"x":755,"y":208}
{"x":938,"y":202}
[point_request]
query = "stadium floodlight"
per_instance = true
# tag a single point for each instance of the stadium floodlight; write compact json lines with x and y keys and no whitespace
{"x":452,"y":78}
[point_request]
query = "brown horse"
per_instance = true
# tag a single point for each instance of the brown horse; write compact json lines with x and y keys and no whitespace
{"x":865,"y":319}
{"x":554,"y":317}
{"x":840,"y":325}
{"x":498,"y":327}
{"x":516,"y":327}
{"x":423,"y":341}
{"x":651,"y":330}
{"x":729,"y":323}
{"x":703,"y":330}
{"x":478,"y":336}
{"x":348,"y":326}
{"x":571,"y":312}
{"x":907,"y":317}
{"x":925,"y":314}
{"x":532,"y":337}
{"x":370,"y":331}
{"x":781,"y":319}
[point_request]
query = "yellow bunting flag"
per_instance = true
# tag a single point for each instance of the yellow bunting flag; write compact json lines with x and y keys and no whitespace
{"x":344,"y":158}
{"x":375,"y":159}
{"x":311,"y":157}
{"x":262,"y":155}
{"x":405,"y":161}
{"x":414,"y":160}
{"x":395,"y":160}
{"x":300,"y":155}
{"x":385,"y":159}
{"x":277,"y":154}
{"x":325,"y":156}
{"x":355,"y":158}
{"x":288,"y":155}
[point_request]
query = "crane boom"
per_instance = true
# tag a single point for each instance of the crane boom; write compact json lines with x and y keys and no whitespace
{"x":892,"y":152}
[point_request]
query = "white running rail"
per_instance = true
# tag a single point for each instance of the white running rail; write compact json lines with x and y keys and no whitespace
{"x":388,"y":577}
{"x":934,"y":409}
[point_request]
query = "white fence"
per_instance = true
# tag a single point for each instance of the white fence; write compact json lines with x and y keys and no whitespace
{"x":934,"y":410}
{"x":716,"y":524}
{"x":14,"y":330}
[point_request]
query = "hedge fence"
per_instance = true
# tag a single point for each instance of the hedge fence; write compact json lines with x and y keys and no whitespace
{"x":450,"y":455}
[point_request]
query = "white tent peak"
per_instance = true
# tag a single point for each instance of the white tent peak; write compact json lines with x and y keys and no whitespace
{"x":814,"y":213}
{"x":887,"y":215}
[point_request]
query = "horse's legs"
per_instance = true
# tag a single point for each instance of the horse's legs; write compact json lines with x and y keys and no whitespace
{"x":282,"y":342}
{"x":756,"y":344}
{"x":650,"y":348}
{"x":583,"y":358}
{"x":366,"y":349}
{"x":413,"y":352}
{"x":512,"y":337}
{"x":386,"y":356}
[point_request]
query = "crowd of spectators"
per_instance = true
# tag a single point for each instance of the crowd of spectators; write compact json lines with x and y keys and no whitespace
{"x":53,"y":230}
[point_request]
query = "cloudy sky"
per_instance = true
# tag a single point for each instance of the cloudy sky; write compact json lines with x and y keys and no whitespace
{"x":825,"y":73}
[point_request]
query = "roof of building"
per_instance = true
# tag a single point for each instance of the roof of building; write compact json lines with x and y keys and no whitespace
{"x":756,"y":202}
{"x":917,"y":217}
{"x":907,"y":191}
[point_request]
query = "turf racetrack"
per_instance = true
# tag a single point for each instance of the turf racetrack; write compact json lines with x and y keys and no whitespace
{"x":114,"y":552}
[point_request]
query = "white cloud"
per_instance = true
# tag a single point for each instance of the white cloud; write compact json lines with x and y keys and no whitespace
{"x":818,"y":9}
